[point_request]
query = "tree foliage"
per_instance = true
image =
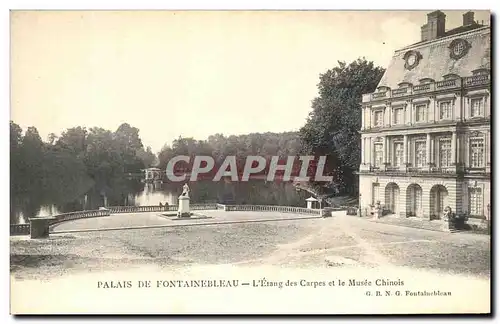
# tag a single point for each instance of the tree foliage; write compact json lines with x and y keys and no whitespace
{"x":333,"y":124}
{"x":219,"y":146}
{"x":66,"y":167}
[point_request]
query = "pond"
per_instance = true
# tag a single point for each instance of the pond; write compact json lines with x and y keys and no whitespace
{"x":137,"y":193}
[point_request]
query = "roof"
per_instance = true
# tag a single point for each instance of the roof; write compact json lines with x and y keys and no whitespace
{"x":435,"y":57}
{"x":311,"y":199}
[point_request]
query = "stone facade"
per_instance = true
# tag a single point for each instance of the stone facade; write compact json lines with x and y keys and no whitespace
{"x":425,"y":135}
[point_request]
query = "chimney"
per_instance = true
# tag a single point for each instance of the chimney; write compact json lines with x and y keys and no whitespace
{"x":468,"y":18}
{"x":435,"y":26}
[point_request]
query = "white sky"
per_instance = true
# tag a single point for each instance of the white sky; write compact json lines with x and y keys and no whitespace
{"x":190,"y":73}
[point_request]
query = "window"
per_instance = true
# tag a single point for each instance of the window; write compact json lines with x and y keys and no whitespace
{"x":476,"y":107}
{"x":398,"y":116}
{"x":444,"y":152}
{"x":398,"y":154}
{"x":379,"y":118}
{"x":414,"y":203}
{"x":480,"y":72}
{"x":420,"y":154}
{"x":420,"y":113}
{"x":475,"y":201}
{"x":476,"y":152}
{"x":379,"y":151}
{"x":375,"y":193}
{"x":445,"y":110}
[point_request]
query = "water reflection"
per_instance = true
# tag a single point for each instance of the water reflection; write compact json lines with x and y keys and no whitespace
{"x":154,"y":194}
{"x":135,"y":193}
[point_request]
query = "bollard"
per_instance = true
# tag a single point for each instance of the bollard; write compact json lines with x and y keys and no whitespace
{"x":39,"y":227}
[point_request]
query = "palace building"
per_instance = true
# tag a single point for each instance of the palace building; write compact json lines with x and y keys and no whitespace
{"x":425,"y":134}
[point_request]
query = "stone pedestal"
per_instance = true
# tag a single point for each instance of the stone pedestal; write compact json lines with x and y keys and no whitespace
{"x":183,"y":210}
{"x":39,"y":227}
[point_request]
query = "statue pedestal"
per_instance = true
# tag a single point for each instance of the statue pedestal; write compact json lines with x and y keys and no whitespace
{"x":183,"y":210}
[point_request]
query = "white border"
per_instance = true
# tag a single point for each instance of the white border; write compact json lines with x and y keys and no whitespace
{"x":186,"y":4}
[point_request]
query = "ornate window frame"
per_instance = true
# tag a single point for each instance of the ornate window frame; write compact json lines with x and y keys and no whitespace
{"x":480,"y":97}
{"x":437,"y":152}
{"x":394,"y":155}
{"x":476,"y":135}
{"x":473,"y":185}
{"x":450,"y":100}
{"x":426,"y":112}
{"x":375,"y":111}
{"x":420,"y":141}
{"x":395,"y":106}
{"x":410,"y":65}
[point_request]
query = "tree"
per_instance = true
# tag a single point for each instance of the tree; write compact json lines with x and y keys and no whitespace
{"x":332,"y":126}
{"x":147,"y":157}
{"x":129,"y":145}
{"x":73,"y":140}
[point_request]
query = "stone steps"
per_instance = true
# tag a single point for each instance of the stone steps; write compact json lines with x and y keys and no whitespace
{"x":413,"y":222}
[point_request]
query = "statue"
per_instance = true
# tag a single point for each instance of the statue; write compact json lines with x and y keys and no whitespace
{"x":183,"y":210}
{"x":447,"y":213}
{"x":185,"y":190}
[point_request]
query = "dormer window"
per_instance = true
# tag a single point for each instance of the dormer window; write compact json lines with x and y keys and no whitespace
{"x":383,"y":89}
{"x":480,"y":72}
{"x":405,"y":85}
{"x":426,"y":81}
{"x":451,"y":76}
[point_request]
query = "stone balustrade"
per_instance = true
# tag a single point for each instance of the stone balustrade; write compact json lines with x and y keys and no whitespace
{"x":141,"y":209}
{"x":453,"y":83}
{"x":466,"y":82}
{"x":24,"y":229}
{"x":78,"y":215}
{"x":19,"y":229}
{"x":476,"y":80}
{"x":270,"y":208}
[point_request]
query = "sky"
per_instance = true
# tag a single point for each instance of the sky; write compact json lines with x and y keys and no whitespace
{"x":190,"y":73}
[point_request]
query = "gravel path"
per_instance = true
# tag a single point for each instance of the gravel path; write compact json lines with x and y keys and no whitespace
{"x":289,"y":243}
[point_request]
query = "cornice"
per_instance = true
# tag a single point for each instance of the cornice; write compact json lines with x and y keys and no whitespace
{"x":442,"y":40}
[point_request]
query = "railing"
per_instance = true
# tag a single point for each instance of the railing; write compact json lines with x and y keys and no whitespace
{"x":402,"y":170}
{"x":19,"y":229}
{"x":400,"y":92}
{"x":352,"y":211}
{"x":443,"y":170}
{"x":78,"y":215}
{"x":203,"y":206}
{"x":281,"y":209}
{"x":141,"y":209}
{"x":448,"y":84}
{"x":476,"y":170}
{"x":423,"y":87}
{"x":476,"y":80}
{"x":429,"y":87}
